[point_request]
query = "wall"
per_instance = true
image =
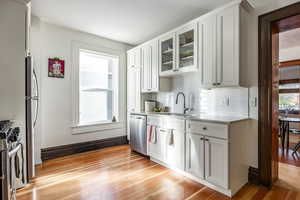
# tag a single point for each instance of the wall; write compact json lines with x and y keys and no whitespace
{"x":56,"y":102}
{"x":214,"y":101}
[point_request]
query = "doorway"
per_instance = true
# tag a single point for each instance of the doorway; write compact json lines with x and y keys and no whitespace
{"x":278,"y":96}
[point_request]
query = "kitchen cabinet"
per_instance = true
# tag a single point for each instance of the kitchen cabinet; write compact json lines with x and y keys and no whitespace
{"x":207,"y":152}
{"x":157,"y":149}
{"x":195,"y":155}
{"x":216,"y":161}
{"x":186,"y":48}
{"x":228,"y":47}
{"x":219,"y":48}
{"x":167,"y":54}
{"x":175,"y":148}
{"x":133,"y":84}
{"x":178,"y":51}
{"x":134,"y":81}
{"x":151,"y":82}
{"x":207,"y":50}
{"x":169,"y":145}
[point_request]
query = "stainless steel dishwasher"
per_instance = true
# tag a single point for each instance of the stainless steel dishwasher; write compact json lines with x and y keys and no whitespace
{"x":138,"y":133}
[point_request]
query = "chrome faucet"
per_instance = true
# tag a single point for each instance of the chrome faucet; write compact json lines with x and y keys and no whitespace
{"x":185,"y":109}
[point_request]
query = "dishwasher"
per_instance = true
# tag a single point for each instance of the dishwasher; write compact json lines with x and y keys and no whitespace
{"x":138,"y":133}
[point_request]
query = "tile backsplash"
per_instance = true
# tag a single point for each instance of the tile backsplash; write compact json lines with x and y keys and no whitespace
{"x":221,"y":101}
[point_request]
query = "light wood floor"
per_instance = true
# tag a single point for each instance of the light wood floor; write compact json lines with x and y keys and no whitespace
{"x":117,"y":173}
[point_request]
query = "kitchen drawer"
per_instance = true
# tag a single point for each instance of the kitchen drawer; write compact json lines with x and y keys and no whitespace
{"x":155,"y":121}
{"x":173,"y":123}
{"x":208,"y":129}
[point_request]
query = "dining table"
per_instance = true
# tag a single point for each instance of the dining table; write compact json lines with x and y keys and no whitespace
{"x":284,"y":123}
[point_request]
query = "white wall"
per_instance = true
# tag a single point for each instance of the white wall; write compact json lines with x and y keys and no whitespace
{"x":56,"y":94}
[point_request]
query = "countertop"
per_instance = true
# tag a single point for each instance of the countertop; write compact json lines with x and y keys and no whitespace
{"x":225,"y":119}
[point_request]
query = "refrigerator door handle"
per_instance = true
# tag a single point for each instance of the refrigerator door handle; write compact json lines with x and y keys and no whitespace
{"x":36,"y":98}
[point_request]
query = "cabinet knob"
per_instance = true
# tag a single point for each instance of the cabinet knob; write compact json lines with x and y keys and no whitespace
{"x":202,"y":138}
{"x":206,"y":139}
{"x":218,"y":83}
{"x":175,"y":70}
{"x":204,"y":128}
{"x":214,"y":84}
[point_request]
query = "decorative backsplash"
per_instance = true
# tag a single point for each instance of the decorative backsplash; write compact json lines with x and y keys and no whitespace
{"x":224,"y":101}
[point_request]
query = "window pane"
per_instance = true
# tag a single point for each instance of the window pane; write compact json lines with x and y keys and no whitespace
{"x":289,"y":103}
{"x":95,"y":71}
{"x":96,"y":87}
{"x":95,"y":106}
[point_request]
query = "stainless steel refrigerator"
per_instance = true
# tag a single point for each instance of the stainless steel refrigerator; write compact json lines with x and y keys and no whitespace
{"x":32,"y":110}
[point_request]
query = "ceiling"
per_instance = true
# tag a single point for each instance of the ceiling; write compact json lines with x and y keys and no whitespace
{"x":289,"y":39}
{"x":129,"y":21}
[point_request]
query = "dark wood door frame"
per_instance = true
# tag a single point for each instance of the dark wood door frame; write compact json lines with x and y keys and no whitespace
{"x":266,"y":161}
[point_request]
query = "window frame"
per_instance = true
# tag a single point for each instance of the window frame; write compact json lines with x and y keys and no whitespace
{"x":78,"y":128}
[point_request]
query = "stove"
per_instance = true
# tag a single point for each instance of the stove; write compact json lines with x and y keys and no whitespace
{"x":10,"y":148}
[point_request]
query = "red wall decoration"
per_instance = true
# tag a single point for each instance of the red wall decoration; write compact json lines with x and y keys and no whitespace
{"x":56,"y":68}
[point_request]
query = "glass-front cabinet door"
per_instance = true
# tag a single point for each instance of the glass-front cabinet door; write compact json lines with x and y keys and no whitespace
{"x":167,"y":54}
{"x":186,"y":41}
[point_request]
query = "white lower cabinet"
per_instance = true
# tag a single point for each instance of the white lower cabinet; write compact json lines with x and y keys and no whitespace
{"x":157,"y":148}
{"x":210,"y":153}
{"x":216,"y":161}
{"x":175,"y":149}
{"x":195,"y":155}
{"x":168,"y":147}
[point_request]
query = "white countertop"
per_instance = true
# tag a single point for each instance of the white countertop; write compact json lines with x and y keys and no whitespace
{"x":198,"y":117}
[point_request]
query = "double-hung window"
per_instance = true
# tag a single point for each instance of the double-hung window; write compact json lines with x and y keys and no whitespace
{"x":97,"y":88}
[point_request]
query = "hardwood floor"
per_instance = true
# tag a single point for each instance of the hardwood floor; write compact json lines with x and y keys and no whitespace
{"x":117,"y":173}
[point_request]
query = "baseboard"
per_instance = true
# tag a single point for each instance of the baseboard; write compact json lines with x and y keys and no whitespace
{"x":253,"y":175}
{"x":65,"y":150}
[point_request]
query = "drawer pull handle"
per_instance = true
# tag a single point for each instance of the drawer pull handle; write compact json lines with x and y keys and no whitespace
{"x":204,"y":128}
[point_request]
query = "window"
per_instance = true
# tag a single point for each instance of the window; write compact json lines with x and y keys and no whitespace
{"x":289,"y":103}
{"x":98,"y":87}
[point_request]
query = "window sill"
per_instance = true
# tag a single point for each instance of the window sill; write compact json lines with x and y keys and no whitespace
{"x":95,"y":127}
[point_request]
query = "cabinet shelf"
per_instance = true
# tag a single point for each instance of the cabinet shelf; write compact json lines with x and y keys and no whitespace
{"x":168,"y":63}
{"x":187,"y":58}
{"x":168,"y":51}
{"x":190,"y":44}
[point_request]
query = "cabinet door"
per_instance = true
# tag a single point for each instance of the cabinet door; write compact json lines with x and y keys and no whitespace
{"x":157,"y":149}
{"x":131,"y":85}
{"x":216,"y":161}
{"x":175,"y":149}
{"x":146,"y":68}
{"x":154,"y":66}
{"x":137,"y":89}
{"x":195,"y":155}
{"x":167,"y":54}
{"x":228,"y":47}
{"x":207,"y":50}
{"x":186,"y":45}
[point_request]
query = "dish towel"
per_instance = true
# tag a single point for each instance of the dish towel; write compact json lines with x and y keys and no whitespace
{"x":171,"y":137}
{"x":152,"y":134}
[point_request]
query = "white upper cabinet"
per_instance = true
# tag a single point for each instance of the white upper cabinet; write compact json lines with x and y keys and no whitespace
{"x":151,"y":82}
{"x":207,"y":50}
{"x":186,"y":48}
{"x":146,"y":68}
{"x":219,"y":48}
{"x":178,"y":51}
{"x":134,"y":80}
{"x":228,"y":47}
{"x":212,"y":44}
{"x":167,"y":54}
